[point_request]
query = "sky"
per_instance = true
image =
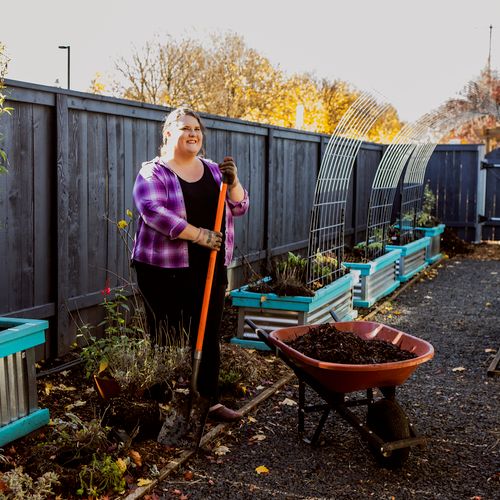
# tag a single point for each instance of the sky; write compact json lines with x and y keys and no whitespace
{"x":416,"y":53}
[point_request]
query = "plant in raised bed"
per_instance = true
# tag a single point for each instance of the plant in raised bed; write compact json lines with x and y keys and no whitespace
{"x":425,"y":217}
{"x":288,"y":275}
{"x":374,"y":246}
{"x":286,"y":296}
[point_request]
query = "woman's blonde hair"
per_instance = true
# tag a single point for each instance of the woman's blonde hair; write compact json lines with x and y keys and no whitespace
{"x":174,"y":117}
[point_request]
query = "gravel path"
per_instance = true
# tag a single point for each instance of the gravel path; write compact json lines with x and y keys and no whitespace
{"x":450,"y":399}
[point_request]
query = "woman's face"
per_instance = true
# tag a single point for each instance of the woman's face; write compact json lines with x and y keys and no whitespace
{"x":185,"y":135}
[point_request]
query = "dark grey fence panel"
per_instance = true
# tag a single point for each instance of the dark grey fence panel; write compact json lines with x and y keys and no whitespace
{"x":26,"y":211}
{"x":491,"y":228}
{"x":452,"y":176}
{"x":43,"y":203}
{"x":291,"y":181}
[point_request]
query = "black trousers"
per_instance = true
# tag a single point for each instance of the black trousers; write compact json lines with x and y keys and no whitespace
{"x":173,"y":299}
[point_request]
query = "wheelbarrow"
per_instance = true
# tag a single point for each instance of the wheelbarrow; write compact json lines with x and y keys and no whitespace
{"x":388,"y":430}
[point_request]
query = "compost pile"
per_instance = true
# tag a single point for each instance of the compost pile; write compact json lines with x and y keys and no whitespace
{"x":326,"y":343}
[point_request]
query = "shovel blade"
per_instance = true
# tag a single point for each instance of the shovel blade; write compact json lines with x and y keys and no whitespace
{"x":184,"y":423}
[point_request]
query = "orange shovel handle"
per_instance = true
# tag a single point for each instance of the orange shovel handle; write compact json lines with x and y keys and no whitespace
{"x":210,"y":273}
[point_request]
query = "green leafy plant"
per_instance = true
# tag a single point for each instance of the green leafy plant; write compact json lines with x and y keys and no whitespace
{"x":126,"y":354}
{"x":292,"y":269}
{"x":288,"y":275}
{"x":324,"y":265}
{"x":228,"y":380}
{"x":102,"y":475}
{"x":362,"y":250}
{"x":425,"y":217}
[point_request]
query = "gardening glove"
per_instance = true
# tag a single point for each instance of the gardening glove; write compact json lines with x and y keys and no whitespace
{"x":209,"y":239}
{"x":229,"y":172}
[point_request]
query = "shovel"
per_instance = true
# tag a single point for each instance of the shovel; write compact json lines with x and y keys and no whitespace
{"x":183,"y":426}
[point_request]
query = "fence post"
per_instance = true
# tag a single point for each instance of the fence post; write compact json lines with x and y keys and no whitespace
{"x":62,"y":285}
{"x":268,"y":208}
{"x":480,"y":196}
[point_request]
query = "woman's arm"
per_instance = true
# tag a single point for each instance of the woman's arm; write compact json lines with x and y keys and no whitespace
{"x":150,"y":199}
{"x":236,"y":193}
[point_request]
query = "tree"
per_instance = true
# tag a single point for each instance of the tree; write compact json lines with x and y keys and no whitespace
{"x":230,"y":79}
{"x":164,"y":73}
{"x":336,"y":96}
{"x":97,"y":85}
{"x":386,"y":127}
{"x":475,"y":110}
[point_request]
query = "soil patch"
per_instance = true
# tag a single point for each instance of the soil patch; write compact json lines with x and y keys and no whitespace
{"x":283,"y":289}
{"x":123,"y":428}
{"x":452,"y":245}
{"x":326,"y":343}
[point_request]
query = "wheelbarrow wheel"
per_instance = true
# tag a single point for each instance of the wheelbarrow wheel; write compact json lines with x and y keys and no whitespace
{"x":389,"y":422}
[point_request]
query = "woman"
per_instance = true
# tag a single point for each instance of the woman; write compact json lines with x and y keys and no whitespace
{"x":176,"y":195}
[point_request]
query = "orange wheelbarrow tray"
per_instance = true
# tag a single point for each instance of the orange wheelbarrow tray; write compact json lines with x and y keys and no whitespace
{"x":387,"y":429}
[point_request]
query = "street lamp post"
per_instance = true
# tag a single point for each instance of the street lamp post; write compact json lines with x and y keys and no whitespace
{"x":68,"y":48}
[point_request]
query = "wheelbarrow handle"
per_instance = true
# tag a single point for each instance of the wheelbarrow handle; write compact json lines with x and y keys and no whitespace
{"x":334,"y":315}
{"x":263,"y":335}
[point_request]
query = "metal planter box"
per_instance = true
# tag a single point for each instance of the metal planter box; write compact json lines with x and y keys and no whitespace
{"x":270,"y":311}
{"x":374,"y":279}
{"x":434,"y":249}
{"x":412,"y":259}
{"x":19,"y":412}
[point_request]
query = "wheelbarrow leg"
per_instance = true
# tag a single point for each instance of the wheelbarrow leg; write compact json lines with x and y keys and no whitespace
{"x":389,"y":392}
{"x":302,"y":402}
{"x":302,"y":411}
{"x":314,"y":440}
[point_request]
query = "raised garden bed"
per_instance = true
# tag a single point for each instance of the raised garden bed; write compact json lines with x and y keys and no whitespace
{"x":434,"y":249}
{"x":270,"y":311}
{"x":412,"y":259}
{"x":19,"y":412}
{"x":374,"y":279}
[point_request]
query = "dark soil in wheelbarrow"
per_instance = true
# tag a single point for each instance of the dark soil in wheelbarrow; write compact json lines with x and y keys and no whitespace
{"x":326,"y":343}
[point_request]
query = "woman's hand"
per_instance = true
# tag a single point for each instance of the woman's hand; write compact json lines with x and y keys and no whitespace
{"x":229,"y":172}
{"x":209,"y":239}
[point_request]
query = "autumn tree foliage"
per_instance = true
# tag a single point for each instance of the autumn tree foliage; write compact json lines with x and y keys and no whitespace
{"x":476,"y":110}
{"x":230,"y":79}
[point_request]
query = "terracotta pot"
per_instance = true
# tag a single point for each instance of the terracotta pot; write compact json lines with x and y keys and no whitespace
{"x":107,"y":387}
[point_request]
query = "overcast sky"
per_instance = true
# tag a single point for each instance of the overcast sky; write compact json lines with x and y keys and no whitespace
{"x":415,"y":53}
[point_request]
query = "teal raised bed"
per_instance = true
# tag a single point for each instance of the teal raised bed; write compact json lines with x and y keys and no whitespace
{"x":412,"y":259}
{"x":270,"y":311}
{"x":375,"y":279}
{"x":434,"y":249}
{"x":19,"y":412}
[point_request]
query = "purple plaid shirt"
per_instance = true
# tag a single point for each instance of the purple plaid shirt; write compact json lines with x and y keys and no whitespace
{"x":158,"y":197}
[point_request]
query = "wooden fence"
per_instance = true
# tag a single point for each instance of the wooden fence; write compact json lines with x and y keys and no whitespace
{"x":73,"y":159}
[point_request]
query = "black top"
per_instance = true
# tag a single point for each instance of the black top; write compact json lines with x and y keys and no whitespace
{"x":200,"y":200}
